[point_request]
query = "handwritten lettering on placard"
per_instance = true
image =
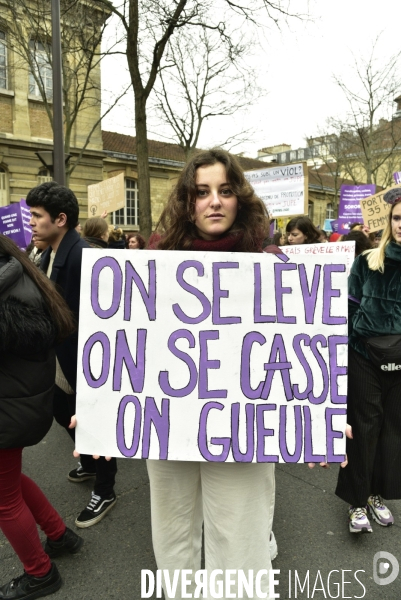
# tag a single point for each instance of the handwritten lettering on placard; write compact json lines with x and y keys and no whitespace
{"x":213,"y":356}
{"x":375,"y":210}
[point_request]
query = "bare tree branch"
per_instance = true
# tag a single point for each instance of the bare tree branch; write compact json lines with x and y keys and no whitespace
{"x":201,"y":79}
{"x":149,"y":27}
{"x":368,"y":140}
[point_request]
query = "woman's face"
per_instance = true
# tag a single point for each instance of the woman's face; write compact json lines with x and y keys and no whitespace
{"x":396,"y":223}
{"x":296,"y":237}
{"x":216,"y":206}
{"x":133,"y":243}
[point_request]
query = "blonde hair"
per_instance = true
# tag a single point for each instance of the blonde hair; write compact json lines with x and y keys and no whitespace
{"x":115,"y":234}
{"x":375,"y":257}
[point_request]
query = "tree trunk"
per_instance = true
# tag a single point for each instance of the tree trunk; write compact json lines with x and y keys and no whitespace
{"x":142,"y":151}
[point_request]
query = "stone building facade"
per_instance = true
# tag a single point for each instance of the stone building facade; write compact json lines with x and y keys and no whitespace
{"x":25,"y":129}
{"x":25,"y":125}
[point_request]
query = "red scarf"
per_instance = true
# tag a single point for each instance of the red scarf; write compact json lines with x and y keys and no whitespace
{"x":227,"y":243}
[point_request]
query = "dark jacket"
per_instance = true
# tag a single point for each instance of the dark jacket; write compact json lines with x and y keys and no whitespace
{"x":95,"y":242}
{"x":374,"y":301}
{"x":66,"y":273}
{"x":27,"y":362}
{"x":116,"y":244}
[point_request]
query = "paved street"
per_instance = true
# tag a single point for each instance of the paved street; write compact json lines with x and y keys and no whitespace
{"x":310,"y":527}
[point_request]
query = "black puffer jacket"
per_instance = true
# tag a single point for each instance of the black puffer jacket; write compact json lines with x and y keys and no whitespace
{"x":27,"y":360}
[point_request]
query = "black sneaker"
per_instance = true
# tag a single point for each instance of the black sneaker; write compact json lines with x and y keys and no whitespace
{"x":28,"y":587}
{"x":79,"y":474}
{"x":97,"y":508}
{"x":70,"y":542}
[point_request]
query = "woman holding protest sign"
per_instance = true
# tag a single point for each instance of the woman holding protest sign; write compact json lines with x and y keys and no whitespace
{"x":32,"y":317}
{"x":374,"y":379}
{"x":212,"y":208}
{"x":301,"y":230}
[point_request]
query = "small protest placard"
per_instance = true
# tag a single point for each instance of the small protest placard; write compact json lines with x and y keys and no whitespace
{"x":327,"y":225}
{"x":349,"y":210}
{"x":397,"y":176}
{"x":14,"y":223}
{"x":375,"y":210}
{"x":346,"y":249}
{"x":108,"y":195}
{"x":216,"y":357}
{"x":284,"y":189}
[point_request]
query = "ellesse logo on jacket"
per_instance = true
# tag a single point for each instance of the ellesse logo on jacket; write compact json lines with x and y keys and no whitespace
{"x":391,"y":367}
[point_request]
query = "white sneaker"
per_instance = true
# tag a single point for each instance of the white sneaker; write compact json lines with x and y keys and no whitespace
{"x":273,"y":547}
{"x":379,"y":511}
{"x":358,"y":520}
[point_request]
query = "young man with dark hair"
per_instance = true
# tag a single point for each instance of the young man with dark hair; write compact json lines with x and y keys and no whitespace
{"x":54,"y":216}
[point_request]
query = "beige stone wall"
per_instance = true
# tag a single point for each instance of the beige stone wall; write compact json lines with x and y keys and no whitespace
{"x":39,"y":121}
{"x":160,"y":189}
{"x":320,"y":202}
{"x":384,"y":176}
{"x":28,"y":117}
{"x":89,"y":112}
{"x":22,"y":167}
{"x":6,"y":114}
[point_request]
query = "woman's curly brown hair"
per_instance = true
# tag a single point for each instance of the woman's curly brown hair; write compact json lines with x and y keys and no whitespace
{"x":176,"y":224}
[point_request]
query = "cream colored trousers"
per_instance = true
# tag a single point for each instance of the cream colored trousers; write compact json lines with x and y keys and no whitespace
{"x":235,"y":501}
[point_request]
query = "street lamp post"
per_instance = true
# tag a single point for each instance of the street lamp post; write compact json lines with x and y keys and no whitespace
{"x":58,"y":131}
{"x":47,"y":158}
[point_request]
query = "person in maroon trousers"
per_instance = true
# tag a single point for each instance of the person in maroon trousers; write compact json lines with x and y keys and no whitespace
{"x":33,"y":316}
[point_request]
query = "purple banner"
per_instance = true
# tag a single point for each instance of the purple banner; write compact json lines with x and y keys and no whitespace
{"x":14,"y":222}
{"x":397,"y":176}
{"x":271,"y":230}
{"x":349,"y":209}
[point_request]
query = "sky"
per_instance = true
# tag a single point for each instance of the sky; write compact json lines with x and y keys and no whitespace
{"x":295,"y":67}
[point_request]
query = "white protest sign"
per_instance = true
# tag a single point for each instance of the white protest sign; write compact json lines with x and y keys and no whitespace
{"x":108,"y":195}
{"x":283,"y":189}
{"x":346,"y":249}
{"x":217,"y":356}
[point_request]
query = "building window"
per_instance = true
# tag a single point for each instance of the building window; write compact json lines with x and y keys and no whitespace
{"x":301,"y":154}
{"x":129,"y":214}
{"x":329,"y":211}
{"x":310,"y":210}
{"x":43,"y":176}
{"x":40,"y":54}
{"x":3,"y":187}
{"x":283,"y":156}
{"x":3,"y":61}
{"x":293,"y":155}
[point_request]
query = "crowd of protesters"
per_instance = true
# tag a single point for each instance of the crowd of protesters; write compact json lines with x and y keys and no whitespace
{"x":212,"y":208}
